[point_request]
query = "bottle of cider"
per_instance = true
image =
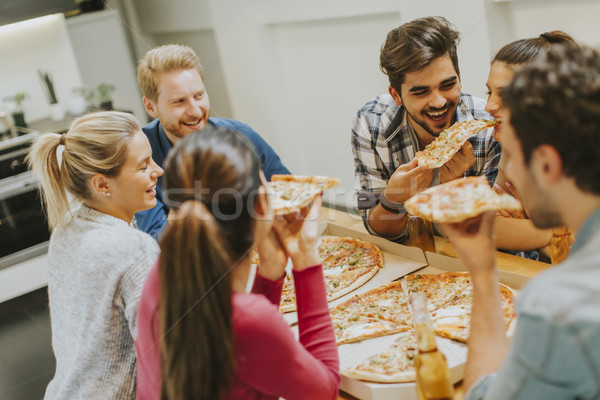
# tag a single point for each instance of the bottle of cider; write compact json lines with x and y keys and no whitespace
{"x":431,"y":367}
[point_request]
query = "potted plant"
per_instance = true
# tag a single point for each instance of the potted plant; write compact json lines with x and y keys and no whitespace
{"x":57,"y":112}
{"x":104,"y":92}
{"x":18,"y":114}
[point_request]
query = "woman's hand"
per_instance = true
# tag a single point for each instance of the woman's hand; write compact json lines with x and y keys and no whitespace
{"x":510,"y":190}
{"x":299,"y":232}
{"x":272,"y":257}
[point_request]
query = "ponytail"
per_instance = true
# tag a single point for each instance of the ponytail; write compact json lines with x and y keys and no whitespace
{"x":197,"y":355}
{"x":96,"y":143}
{"x":45,"y":162}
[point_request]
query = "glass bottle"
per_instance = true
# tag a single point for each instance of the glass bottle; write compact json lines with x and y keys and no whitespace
{"x":421,"y":233}
{"x":431,"y":367}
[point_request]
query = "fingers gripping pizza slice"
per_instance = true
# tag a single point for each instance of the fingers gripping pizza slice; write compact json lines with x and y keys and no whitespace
{"x":458,"y":200}
{"x":291,"y":193}
{"x":443,"y":148}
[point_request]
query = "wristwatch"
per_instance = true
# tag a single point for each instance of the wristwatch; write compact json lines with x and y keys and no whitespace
{"x":390,"y":206}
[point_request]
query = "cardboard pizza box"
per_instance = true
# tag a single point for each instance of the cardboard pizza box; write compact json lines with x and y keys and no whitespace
{"x":455,"y":352}
{"x":398,"y":261}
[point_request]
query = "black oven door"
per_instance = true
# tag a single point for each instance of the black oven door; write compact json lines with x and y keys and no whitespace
{"x":24,"y":231}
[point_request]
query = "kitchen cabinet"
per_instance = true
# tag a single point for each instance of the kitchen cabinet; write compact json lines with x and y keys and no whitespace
{"x":103,"y":54}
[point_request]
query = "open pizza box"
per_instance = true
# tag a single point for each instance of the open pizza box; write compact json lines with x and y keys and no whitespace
{"x":398,"y":261}
{"x":455,"y":352}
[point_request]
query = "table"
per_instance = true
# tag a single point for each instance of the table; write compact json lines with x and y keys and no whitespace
{"x":505,"y":262}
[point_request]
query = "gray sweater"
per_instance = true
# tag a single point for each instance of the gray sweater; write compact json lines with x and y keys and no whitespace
{"x":97,"y":266}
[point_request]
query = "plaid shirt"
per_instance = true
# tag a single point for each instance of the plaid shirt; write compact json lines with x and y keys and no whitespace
{"x":382,"y":140}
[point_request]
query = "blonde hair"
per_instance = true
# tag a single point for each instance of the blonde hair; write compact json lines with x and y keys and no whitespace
{"x":167,"y":58}
{"x":96,"y":143}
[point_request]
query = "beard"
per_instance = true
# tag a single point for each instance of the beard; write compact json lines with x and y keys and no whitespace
{"x":431,"y":128}
{"x":540,"y":206}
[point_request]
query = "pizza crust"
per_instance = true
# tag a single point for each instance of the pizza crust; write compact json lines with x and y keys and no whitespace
{"x":407,"y":376}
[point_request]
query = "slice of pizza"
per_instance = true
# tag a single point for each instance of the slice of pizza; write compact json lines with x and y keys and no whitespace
{"x":458,"y":200}
{"x":348,"y":263}
{"x":443,"y":148}
{"x":396,"y":364}
{"x":439,"y":289}
{"x":453,"y":320}
{"x":379,"y":312}
{"x":291,"y":193}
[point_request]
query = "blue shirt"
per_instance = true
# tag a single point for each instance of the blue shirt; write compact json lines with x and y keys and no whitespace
{"x":555,"y":352}
{"x":153,"y":220}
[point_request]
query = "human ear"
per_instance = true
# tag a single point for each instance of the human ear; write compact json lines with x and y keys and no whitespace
{"x":149,"y":106}
{"x":395,"y":95}
{"x":548,"y":164}
{"x":100,"y":184}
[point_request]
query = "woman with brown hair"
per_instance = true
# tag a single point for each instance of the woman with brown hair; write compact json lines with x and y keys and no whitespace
{"x":93,"y":180}
{"x":201,"y":335}
{"x":514,"y":231}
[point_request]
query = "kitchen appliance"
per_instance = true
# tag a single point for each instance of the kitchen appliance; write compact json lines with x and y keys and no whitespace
{"x":24,"y":232}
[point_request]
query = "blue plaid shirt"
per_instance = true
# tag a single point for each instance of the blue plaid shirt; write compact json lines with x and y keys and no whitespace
{"x":382,"y":140}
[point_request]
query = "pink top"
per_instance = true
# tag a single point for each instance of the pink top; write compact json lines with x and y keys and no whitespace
{"x":270,"y":363}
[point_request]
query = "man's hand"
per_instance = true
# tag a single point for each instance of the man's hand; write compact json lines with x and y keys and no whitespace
{"x":473,"y":241}
{"x":458,"y":164}
{"x":408,"y":180}
{"x":510,"y":189}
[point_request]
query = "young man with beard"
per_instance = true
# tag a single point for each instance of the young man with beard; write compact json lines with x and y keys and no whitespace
{"x":172,"y":82}
{"x":424,"y":98}
{"x":550,"y":139}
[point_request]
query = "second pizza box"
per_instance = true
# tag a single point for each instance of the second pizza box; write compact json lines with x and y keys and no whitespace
{"x":455,"y":352}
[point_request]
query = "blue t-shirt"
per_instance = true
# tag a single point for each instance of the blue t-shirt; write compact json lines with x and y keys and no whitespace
{"x":153,"y":220}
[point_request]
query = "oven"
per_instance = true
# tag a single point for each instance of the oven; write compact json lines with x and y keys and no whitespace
{"x":24,"y":232}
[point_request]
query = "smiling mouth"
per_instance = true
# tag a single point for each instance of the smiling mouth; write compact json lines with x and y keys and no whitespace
{"x":193,"y":123}
{"x":152,"y":190}
{"x":438,"y":115}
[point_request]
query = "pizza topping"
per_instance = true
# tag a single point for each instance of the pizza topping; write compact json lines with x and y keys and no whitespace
{"x":347,"y":264}
{"x":291,"y":193}
{"x":458,"y":200}
{"x":449,"y":141}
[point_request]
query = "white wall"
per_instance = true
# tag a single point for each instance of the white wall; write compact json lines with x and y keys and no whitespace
{"x":298,"y":71}
{"x":29,"y":46}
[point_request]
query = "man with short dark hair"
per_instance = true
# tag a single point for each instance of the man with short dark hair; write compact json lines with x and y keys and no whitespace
{"x":172,"y":82}
{"x":551,"y":138}
{"x":424,"y":98}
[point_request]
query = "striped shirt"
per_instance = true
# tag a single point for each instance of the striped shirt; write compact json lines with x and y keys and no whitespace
{"x":382,"y":140}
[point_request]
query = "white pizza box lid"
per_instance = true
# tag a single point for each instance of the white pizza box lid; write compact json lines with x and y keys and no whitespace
{"x":398,"y":261}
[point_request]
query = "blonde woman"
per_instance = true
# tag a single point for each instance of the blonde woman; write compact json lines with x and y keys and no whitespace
{"x":94,"y":179}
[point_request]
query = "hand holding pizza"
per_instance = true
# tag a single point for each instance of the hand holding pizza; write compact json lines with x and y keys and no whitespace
{"x":510,"y":189}
{"x":272,"y":257}
{"x":473,"y":240}
{"x":460,"y":162}
{"x":299,"y":234}
{"x":407,"y":180}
